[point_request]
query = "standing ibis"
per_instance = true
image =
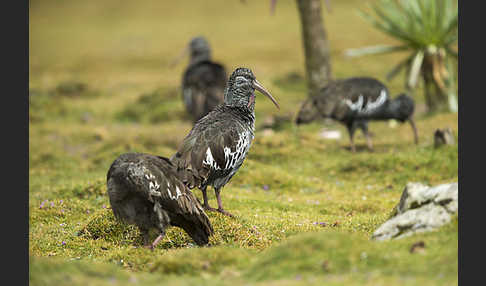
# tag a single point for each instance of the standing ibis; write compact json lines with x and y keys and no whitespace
{"x":203,"y":81}
{"x":218,"y":143}
{"x":354,"y":102}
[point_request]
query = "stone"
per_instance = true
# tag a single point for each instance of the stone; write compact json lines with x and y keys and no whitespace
{"x":421,"y":208}
{"x":443,"y":137}
{"x":267,"y":132}
{"x":330,"y":134}
{"x":276,"y":121}
{"x":268,"y":122}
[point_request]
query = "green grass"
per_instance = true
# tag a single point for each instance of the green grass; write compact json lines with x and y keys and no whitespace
{"x":305,"y":207}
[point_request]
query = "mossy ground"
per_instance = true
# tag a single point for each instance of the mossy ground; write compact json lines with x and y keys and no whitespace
{"x":305,"y":207}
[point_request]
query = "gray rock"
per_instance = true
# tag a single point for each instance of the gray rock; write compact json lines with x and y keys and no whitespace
{"x":421,"y":208}
{"x":330,"y":134}
{"x":443,"y":137}
{"x":268,"y":132}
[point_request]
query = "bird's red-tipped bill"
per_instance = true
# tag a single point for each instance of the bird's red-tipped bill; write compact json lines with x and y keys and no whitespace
{"x":258,"y":86}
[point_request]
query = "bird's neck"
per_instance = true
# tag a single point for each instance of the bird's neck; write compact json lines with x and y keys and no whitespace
{"x":244,"y":114}
{"x":200,"y":57}
{"x":239,"y":101}
{"x":389,"y":110}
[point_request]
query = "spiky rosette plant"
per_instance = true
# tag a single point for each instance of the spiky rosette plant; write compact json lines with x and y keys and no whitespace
{"x":427,"y":28}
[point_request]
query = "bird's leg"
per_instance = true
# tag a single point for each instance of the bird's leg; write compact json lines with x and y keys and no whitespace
{"x":351,"y":130}
{"x":364,"y":128}
{"x":220,"y":204}
{"x":157,"y":240}
{"x":353,"y":148}
{"x":368,"y":141}
{"x":152,"y":245}
{"x":205,"y":198}
{"x":414,"y":128}
{"x":145,"y":236}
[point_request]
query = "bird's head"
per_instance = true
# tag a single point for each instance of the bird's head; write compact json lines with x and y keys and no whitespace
{"x":307,"y":112}
{"x":401,"y":107}
{"x":240,"y":90}
{"x":199,"y":49}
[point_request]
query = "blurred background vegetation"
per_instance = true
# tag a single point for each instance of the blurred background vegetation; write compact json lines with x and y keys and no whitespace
{"x":428,"y":29}
{"x":100,"y":85}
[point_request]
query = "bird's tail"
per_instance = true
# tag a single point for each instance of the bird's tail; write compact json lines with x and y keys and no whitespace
{"x":197,"y":224}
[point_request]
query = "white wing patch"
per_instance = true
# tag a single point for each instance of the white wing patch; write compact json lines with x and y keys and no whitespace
{"x":242,"y":146}
{"x":178,"y":192}
{"x":370,"y":106}
{"x":154,"y":187}
{"x":231,"y":158}
{"x":210,"y":160}
{"x":357,"y":106}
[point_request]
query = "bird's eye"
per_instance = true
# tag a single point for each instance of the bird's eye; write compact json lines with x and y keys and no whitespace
{"x":240,"y":80}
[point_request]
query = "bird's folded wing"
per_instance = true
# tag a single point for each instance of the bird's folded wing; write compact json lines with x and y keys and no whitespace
{"x":155,"y":178}
{"x":205,"y":74}
{"x":215,"y":147}
{"x":365,"y":104}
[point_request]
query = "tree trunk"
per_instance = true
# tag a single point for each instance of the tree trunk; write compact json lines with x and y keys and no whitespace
{"x":435,"y":97}
{"x":316,"y":47}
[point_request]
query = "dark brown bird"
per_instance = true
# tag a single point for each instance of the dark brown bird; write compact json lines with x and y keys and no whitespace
{"x":203,"y":81}
{"x":354,"y":102}
{"x":217,"y":145}
{"x":145,"y":191}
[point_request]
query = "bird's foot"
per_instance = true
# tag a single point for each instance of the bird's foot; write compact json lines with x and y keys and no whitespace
{"x":219,"y":209}
{"x":149,"y":246}
{"x":152,"y":245}
{"x":225,"y":212}
{"x":208,"y":208}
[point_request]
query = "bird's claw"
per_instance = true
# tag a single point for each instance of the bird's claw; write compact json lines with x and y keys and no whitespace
{"x":225,"y":212}
{"x":208,"y":208}
{"x":149,"y":246}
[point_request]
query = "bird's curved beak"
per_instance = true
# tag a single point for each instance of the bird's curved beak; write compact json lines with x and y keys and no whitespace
{"x":179,"y":58}
{"x":258,"y":86}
